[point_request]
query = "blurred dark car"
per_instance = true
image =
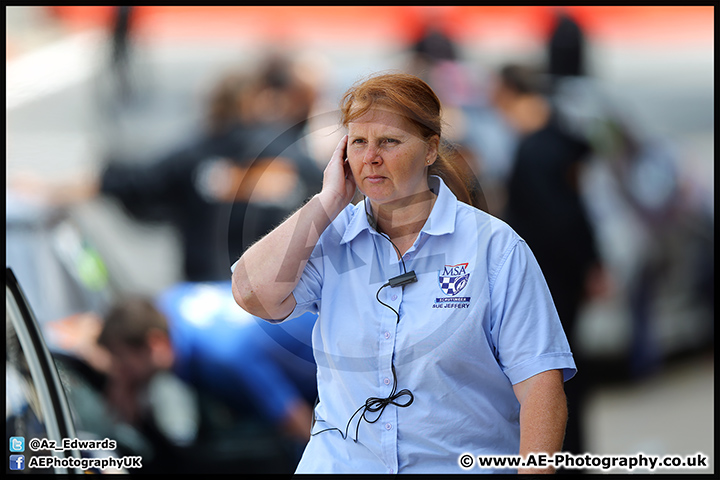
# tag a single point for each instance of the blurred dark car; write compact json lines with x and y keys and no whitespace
{"x":36,"y":406}
{"x":53,"y":277}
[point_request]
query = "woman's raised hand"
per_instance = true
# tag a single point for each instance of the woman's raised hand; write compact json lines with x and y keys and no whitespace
{"x":338,"y":182}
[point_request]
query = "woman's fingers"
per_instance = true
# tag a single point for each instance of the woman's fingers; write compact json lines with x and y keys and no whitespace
{"x":338,"y":176}
{"x":335,"y":170}
{"x":340,"y":152}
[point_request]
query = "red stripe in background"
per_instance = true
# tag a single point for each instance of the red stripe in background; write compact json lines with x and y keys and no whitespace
{"x":651,"y":25}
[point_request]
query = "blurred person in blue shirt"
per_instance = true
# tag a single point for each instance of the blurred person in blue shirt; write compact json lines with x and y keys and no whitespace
{"x":197,"y":332}
{"x":437,"y":334}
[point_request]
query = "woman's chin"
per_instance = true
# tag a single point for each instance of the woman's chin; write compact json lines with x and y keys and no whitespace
{"x":374,"y":191}
{"x":375,"y":198}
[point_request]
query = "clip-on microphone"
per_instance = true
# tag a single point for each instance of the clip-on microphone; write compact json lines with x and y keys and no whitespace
{"x":404,"y":278}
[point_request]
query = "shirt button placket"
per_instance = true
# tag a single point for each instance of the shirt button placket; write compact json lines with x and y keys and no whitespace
{"x":388,"y":336}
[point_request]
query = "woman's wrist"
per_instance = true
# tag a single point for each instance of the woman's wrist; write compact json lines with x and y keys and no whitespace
{"x":331,"y":203}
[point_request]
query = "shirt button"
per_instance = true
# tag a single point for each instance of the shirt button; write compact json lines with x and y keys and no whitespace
{"x":394,"y":297}
{"x":387,"y":334}
{"x":387,"y":381}
{"x":388,"y":426}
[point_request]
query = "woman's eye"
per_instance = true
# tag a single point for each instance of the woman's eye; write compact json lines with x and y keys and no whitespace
{"x":390,"y":140}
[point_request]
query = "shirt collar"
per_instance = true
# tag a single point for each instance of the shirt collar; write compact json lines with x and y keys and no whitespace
{"x":440,"y":221}
{"x":442,"y":216}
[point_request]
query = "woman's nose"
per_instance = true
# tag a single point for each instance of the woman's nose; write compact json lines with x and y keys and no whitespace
{"x":372,"y":155}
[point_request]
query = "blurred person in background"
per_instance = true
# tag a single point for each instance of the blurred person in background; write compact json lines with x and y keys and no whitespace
{"x":545,"y":207}
{"x":436,"y":58}
{"x":481,"y":138}
{"x":670,"y":208}
{"x":227,"y":185}
{"x":198,"y":334}
{"x":279,"y":171}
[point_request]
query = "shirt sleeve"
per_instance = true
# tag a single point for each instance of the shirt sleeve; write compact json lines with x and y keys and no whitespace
{"x":527,"y":333}
{"x":308,"y":291}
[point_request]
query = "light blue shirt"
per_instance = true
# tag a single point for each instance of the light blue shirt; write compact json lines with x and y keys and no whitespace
{"x":479,"y":319}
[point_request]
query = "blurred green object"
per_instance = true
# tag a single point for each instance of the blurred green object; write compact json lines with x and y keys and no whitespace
{"x":91,"y":269}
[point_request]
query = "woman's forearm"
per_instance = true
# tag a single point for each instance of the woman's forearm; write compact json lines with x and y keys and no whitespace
{"x":543,"y":415}
{"x":268,"y":272}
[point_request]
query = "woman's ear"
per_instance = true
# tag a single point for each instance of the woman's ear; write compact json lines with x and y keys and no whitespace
{"x":433,"y":144}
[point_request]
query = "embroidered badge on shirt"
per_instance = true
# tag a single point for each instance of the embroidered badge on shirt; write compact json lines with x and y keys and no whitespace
{"x":452,"y":279}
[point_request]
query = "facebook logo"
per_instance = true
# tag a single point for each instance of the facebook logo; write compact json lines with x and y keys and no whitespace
{"x":17,"y":462}
{"x":17,"y":444}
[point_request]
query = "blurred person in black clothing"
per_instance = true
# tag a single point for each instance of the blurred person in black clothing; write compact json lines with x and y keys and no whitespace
{"x":670,"y":206}
{"x":240,"y":180}
{"x":545,"y":206}
{"x":228,"y":185}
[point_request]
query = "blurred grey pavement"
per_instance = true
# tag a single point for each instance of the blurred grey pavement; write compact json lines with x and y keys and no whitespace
{"x":62,"y":119}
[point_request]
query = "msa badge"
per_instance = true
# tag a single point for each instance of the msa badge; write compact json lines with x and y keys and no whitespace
{"x":453,"y":278}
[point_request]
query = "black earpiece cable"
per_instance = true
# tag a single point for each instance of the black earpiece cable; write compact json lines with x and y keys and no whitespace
{"x":402,"y":279}
{"x":373,"y":404}
{"x":376,"y":404}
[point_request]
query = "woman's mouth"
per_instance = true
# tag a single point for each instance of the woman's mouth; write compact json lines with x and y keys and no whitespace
{"x":374,"y":178}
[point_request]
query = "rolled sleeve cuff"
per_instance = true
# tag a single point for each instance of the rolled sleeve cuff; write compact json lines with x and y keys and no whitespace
{"x":550,"y":361}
